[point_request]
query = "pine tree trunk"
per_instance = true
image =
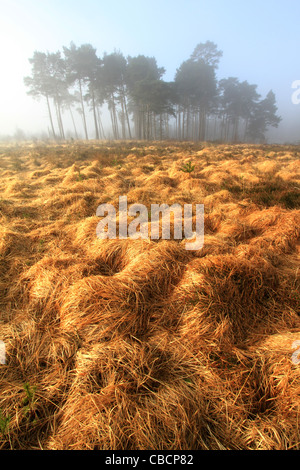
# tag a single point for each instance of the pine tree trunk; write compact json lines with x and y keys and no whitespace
{"x":114,"y":118}
{"x":179,"y":124}
{"x":83,"y":113}
{"x":101,"y":130}
{"x":167,"y":127}
{"x":73,"y":121}
{"x":126,"y":111}
{"x":194,"y":127}
{"x":154,"y":127}
{"x":160,"y":127}
{"x":127,"y":119}
{"x":223,"y":129}
{"x":236,"y":129}
{"x":61,"y":121}
{"x":123,"y":120}
{"x":206,"y":136}
{"x":136,"y":122}
{"x":215,"y":128}
{"x":188,"y":122}
{"x":95,"y":116}
{"x":246,"y":129}
{"x":227,"y":125}
{"x":202,"y":125}
{"x":50,"y":116}
{"x":112,"y":122}
{"x":143,"y":124}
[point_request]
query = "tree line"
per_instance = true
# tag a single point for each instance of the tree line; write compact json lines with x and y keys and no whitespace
{"x":141,"y":105}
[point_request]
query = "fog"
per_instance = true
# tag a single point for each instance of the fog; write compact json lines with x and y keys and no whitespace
{"x":259,"y":45}
{"x":27,"y":118}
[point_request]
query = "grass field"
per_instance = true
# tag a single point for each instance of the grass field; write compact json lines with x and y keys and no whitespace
{"x":142,"y":344}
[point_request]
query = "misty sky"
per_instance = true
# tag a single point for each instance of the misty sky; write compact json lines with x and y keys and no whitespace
{"x":260,"y":41}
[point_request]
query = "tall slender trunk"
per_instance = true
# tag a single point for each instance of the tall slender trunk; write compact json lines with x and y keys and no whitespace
{"x":179,"y":124}
{"x":154,"y":127}
{"x":101,"y":130}
{"x":236,"y":129}
{"x":227,"y":126}
{"x":207,"y":128}
{"x":246,"y":129}
{"x":167,"y":126}
{"x":127,"y":117}
{"x":112,"y":122}
{"x":194,"y":127}
{"x":188,"y":116}
{"x":83,"y":112}
{"x":123,"y":125}
{"x":95,"y":116}
{"x":136,"y":119}
{"x":73,"y":121}
{"x":144,"y":123}
{"x":114,"y":118}
{"x":125,"y":110}
{"x":140,"y":123}
{"x":215,"y":128}
{"x":202,"y":124}
{"x":148,"y":123}
{"x":99,"y":124}
{"x":223,"y":128}
{"x":50,"y":117}
{"x":160,"y":127}
{"x":59,"y":120}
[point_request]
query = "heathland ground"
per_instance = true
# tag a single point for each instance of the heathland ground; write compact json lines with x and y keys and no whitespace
{"x":142,"y":344}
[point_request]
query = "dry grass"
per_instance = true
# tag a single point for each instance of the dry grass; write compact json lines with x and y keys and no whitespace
{"x":141,"y":344}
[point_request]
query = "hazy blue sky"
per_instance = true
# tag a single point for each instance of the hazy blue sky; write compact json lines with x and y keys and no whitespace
{"x":260,"y":40}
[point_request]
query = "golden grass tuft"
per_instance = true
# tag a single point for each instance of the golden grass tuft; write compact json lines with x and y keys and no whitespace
{"x":158,"y":396}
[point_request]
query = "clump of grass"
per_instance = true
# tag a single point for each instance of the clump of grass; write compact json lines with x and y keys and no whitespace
{"x":17,"y":164}
{"x":232,"y":187}
{"x":117,"y":163}
{"x":41,"y":245}
{"x":274,"y":191}
{"x":291,"y":199}
{"x":148,"y":168}
{"x":36,"y":162}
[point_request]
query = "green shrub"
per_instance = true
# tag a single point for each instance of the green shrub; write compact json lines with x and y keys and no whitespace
{"x":187,"y":167}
